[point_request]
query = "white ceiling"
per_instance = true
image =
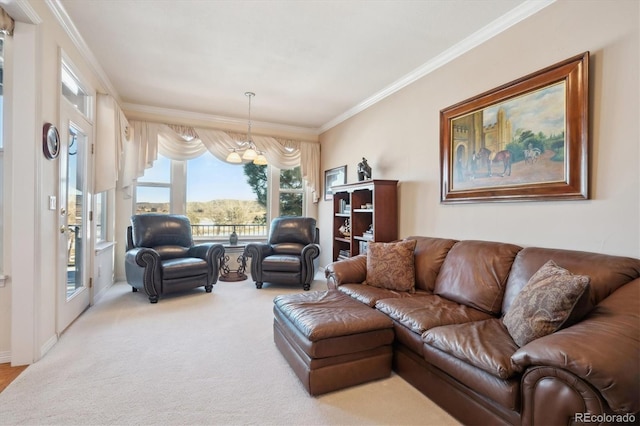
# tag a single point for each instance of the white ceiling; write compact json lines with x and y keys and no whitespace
{"x":311,"y":63}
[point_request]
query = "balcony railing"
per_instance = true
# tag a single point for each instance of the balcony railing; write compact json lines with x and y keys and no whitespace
{"x":223,"y":231}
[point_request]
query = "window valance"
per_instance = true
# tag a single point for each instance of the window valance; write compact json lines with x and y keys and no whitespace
{"x":185,"y":143}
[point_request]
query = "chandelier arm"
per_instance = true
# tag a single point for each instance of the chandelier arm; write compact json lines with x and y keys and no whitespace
{"x":251,"y":151}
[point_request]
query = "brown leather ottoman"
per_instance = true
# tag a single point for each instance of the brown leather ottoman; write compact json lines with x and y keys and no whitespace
{"x":332,"y":341}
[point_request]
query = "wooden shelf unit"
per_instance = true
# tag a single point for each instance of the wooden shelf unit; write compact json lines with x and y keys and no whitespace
{"x":381,"y":215}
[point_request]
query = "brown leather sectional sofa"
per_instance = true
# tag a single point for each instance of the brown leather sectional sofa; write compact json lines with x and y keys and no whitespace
{"x":451,"y":343}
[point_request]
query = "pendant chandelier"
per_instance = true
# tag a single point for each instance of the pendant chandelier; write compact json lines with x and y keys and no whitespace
{"x":247,"y":150}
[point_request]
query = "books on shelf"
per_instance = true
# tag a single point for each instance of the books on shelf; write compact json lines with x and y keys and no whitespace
{"x":368,"y":234}
{"x":343,"y":207}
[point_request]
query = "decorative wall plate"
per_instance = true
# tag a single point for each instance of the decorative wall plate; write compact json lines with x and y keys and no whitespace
{"x":50,"y":141}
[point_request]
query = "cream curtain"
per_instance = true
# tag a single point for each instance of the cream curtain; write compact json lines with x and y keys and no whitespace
{"x":111,"y":132}
{"x":6,"y":22}
{"x":185,"y":143}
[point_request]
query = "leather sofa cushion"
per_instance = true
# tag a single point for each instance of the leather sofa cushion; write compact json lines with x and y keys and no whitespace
{"x":604,"y":281}
{"x":370,"y":295}
{"x":183,"y":267}
{"x":281,"y":263}
{"x":475,"y":273}
{"x":324,"y":314}
{"x":505,"y":392}
{"x":423,"y":313}
{"x":429,"y":255}
{"x":484,"y":344}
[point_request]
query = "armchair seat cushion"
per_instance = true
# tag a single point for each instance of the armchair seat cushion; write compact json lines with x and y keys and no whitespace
{"x":183,"y":267}
{"x":288,"y":248}
{"x":171,"y":252}
{"x":281,"y":263}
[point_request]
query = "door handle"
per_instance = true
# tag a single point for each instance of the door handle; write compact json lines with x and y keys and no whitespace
{"x":62,"y":229}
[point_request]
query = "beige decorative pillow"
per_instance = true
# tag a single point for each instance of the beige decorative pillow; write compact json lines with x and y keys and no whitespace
{"x":390,"y":265}
{"x":545,"y":303}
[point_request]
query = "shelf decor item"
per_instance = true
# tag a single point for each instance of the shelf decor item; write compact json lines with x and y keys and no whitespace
{"x":526,"y":140}
{"x":364,"y":170}
{"x":345,"y":229}
{"x":233,"y":238}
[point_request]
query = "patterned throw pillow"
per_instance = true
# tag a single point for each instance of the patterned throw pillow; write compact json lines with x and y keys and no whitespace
{"x":545,"y":304}
{"x":390,"y":265}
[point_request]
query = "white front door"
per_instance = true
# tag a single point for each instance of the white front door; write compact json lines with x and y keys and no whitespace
{"x":74,"y":293}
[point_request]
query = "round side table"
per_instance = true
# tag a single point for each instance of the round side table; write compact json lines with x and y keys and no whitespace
{"x":238,"y":274}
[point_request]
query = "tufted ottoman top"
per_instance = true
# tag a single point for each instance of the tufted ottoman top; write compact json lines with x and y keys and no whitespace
{"x":324,"y":314}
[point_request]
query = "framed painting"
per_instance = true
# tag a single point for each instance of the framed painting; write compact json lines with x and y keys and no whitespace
{"x":526,"y":140}
{"x":335,"y":176}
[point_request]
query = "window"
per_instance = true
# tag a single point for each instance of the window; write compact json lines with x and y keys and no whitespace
{"x":291,"y":194}
{"x":219,"y":197}
{"x":153,"y":190}
{"x":73,"y":92}
{"x":101,"y":217}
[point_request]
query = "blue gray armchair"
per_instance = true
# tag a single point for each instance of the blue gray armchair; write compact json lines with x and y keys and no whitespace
{"x":162,"y":258}
{"x":288,"y":256}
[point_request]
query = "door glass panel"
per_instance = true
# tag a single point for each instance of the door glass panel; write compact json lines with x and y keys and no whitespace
{"x":75,"y":210}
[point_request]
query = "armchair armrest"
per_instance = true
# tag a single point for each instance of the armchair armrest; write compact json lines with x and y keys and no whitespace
{"x":210,"y":253}
{"x":346,"y":271}
{"x":142,"y":267}
{"x":308,"y":254}
{"x":602,"y":349}
{"x":257,"y":252}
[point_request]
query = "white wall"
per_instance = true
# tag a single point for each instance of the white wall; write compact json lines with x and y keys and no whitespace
{"x":32,"y":227}
{"x":400,"y":135}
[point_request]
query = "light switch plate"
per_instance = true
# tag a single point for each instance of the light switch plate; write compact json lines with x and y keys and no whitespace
{"x":52,"y":202}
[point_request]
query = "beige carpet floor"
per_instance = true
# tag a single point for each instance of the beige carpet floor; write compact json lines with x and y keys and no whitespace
{"x":192,"y":359}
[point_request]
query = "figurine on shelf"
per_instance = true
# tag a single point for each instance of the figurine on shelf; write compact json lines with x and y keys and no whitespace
{"x":345,"y":229}
{"x":364,"y":170}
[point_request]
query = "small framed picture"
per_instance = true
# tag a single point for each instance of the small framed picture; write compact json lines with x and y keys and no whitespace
{"x":335,"y":176}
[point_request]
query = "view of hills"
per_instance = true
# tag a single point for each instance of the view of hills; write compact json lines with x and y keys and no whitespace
{"x":221,"y":212}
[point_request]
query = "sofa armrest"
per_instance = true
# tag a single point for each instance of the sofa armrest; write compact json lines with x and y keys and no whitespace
{"x":602,"y":349}
{"x":346,"y":271}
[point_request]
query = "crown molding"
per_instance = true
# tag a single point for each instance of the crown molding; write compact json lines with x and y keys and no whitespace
{"x":526,"y":9}
{"x":523,"y":11}
{"x":216,"y":119}
{"x":70,"y":29}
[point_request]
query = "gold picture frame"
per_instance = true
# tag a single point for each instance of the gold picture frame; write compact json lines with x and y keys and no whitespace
{"x":526,"y":140}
